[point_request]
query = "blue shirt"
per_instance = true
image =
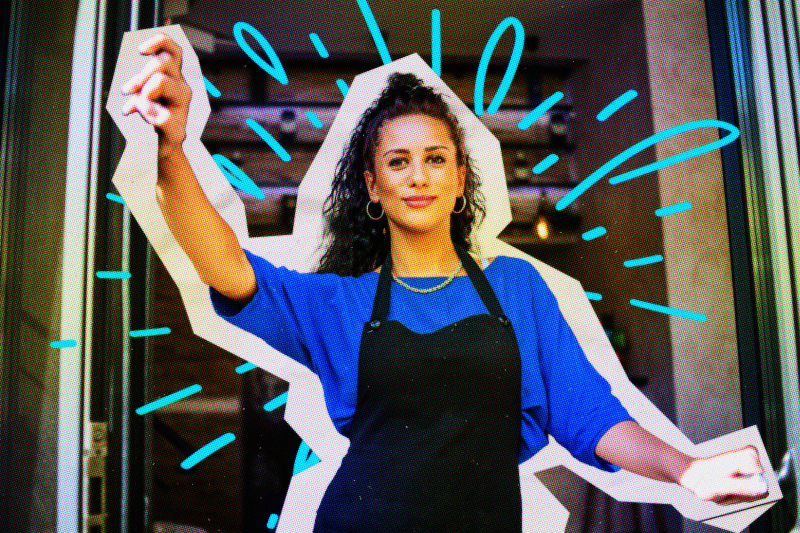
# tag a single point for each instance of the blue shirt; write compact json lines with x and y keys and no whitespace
{"x":317,"y":319}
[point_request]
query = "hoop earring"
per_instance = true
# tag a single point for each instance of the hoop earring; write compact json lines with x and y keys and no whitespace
{"x":463,"y":206}
{"x":370,"y":214}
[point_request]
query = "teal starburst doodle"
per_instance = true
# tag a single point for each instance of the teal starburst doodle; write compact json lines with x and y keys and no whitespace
{"x":266,"y":59}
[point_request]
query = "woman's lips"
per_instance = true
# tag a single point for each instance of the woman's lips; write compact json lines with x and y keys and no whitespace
{"x":419,"y":201}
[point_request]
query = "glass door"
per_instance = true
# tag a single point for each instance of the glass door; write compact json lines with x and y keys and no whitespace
{"x":44,"y":273}
{"x":63,"y":380}
{"x":715,"y":235}
{"x":692,"y":237}
{"x":762,"y":69}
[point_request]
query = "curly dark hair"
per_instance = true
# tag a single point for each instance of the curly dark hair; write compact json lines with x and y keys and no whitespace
{"x":359,"y":244}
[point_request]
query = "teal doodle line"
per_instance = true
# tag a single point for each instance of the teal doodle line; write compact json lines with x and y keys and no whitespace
{"x":647,"y":143}
{"x":669,"y":310}
{"x":539,"y":110}
{"x":315,"y":40}
{"x":149,"y":332}
{"x":269,"y":139}
{"x":545,"y":163}
{"x":314,"y":119}
{"x":304,"y":459}
{"x":237,"y":177}
{"x":681,"y":128}
{"x":276,"y":402}
{"x":649,"y":260}
{"x":66,"y":343}
{"x":436,"y":41}
{"x":342,"y":86}
{"x":115,"y":198}
{"x":369,"y":18}
{"x":599,"y":231}
{"x":672,"y":209}
{"x":207,"y":450}
{"x":511,"y":66}
{"x":614,"y":106}
{"x":113,"y":274}
{"x":276,"y":69}
{"x":166,"y":400}
{"x":245,"y":367}
{"x":213,"y":91}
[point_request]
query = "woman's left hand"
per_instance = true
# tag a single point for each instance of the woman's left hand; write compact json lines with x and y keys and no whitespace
{"x":727,"y":478}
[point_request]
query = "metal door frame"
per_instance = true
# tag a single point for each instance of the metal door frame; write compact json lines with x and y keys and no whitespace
{"x":749,"y":59}
{"x":113,"y":376}
{"x":77,"y":278}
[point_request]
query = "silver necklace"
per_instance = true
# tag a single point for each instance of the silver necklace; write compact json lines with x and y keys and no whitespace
{"x":431,"y":289}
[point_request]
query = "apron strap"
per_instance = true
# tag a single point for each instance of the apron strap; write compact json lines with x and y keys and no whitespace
{"x":480,"y":282}
{"x":380,"y":307}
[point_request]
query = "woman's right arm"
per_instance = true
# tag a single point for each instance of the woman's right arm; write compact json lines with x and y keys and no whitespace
{"x":161,"y":96}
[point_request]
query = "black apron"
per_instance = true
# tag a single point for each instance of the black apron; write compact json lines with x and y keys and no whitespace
{"x":434,"y":440}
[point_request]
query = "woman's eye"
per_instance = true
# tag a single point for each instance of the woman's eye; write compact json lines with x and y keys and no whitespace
{"x":396,"y":162}
{"x":437,"y":159}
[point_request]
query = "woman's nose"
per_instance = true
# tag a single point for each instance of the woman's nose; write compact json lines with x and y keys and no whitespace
{"x":419,"y":173}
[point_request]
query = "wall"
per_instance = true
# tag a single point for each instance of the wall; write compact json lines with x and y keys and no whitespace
{"x":707,"y":399}
{"x":612,"y":41}
{"x":660,"y":50}
{"x":615,"y":66}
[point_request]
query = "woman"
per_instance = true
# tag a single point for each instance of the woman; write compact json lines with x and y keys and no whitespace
{"x":443,"y":374}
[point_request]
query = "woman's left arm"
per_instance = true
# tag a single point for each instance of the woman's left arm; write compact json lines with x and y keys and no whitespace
{"x":728,"y":478}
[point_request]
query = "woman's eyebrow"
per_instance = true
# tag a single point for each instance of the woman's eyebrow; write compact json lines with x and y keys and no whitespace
{"x":405,"y":151}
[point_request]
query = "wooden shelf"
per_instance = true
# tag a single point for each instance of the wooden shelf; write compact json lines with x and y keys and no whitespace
{"x":526,"y":235}
{"x":535,"y":187}
{"x":219,"y":103}
{"x":266,"y":214}
{"x":227,"y":131}
{"x":250,"y":138}
{"x":227,"y":125}
{"x":516,"y":145}
{"x":517,"y":238}
{"x":530,"y":190}
{"x":231,"y":53}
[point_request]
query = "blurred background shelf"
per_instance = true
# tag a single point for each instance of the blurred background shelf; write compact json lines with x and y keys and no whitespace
{"x":525,"y":235}
{"x":289,"y":116}
{"x":227,"y":124}
{"x":278,"y":206}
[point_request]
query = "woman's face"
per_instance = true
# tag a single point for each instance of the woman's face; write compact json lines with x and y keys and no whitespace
{"x":417,"y":177}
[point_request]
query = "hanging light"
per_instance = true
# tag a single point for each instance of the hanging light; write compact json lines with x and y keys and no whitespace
{"x":288,"y":126}
{"x":542,"y":227}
